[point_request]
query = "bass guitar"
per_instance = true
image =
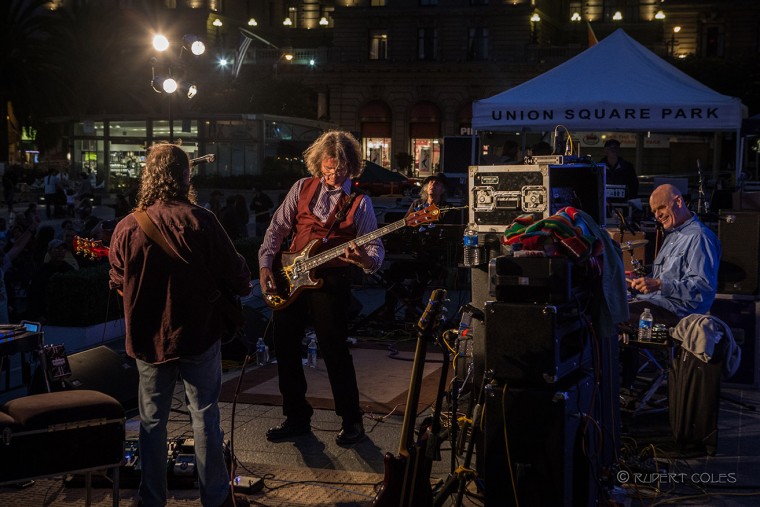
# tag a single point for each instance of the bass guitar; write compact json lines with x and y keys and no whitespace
{"x":293,"y":270}
{"x":406,"y":482}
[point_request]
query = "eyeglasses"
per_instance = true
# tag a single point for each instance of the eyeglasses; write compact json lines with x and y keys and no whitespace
{"x":338,"y":170}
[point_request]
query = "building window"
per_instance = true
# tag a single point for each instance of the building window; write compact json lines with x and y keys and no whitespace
{"x":713,"y":40}
{"x":477,"y":44}
{"x":377,"y":3}
{"x":427,"y":43}
{"x":378,"y":45}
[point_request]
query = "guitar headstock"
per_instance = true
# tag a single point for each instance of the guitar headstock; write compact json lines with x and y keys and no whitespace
{"x":430,"y":213}
{"x":92,"y":248}
{"x":431,"y":317}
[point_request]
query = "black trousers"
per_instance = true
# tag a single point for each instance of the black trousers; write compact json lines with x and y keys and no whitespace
{"x":327,"y":309}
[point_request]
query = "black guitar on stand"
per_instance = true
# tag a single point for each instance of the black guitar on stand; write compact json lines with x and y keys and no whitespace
{"x":407,"y":476}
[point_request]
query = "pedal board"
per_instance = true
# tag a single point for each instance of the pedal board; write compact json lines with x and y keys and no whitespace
{"x":181,"y":469}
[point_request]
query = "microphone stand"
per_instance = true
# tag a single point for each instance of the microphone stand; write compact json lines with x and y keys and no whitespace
{"x":702,"y":205}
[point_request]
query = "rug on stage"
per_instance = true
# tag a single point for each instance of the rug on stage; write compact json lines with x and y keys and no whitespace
{"x":383,"y":382}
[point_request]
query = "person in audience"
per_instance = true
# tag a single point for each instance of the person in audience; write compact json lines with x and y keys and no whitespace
{"x":620,"y":171}
{"x":321,"y":207}
{"x":56,"y":263}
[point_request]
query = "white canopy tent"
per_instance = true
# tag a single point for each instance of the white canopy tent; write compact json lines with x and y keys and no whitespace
{"x":615,"y":85}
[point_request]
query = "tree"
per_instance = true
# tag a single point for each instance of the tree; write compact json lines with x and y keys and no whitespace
{"x":28,"y":63}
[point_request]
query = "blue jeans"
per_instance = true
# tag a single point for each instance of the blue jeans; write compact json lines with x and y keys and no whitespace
{"x":202,"y":377}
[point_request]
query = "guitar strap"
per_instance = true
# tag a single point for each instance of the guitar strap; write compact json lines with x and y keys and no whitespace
{"x":341,"y":214}
{"x":150,"y":230}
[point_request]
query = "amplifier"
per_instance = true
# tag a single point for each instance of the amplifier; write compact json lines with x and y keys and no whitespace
{"x":549,"y":280}
{"x":499,"y":194}
{"x":543,"y":430}
{"x":534,"y":345}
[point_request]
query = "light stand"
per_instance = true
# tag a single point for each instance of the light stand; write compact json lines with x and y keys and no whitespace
{"x":168,"y":73}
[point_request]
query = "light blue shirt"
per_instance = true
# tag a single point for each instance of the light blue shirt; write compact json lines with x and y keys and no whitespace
{"x":687,"y":265}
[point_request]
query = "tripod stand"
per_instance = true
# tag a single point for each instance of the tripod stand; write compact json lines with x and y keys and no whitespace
{"x":402,"y":297}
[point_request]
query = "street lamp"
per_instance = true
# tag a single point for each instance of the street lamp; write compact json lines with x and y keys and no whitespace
{"x":673,"y":42}
{"x":535,"y":19}
{"x":168,"y":73}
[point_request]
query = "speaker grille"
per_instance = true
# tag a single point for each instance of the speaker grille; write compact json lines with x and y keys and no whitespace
{"x":740,"y":243}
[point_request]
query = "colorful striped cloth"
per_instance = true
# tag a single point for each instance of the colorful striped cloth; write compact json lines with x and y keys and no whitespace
{"x":564,"y":233}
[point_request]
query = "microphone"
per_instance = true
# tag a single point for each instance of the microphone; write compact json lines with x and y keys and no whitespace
{"x":202,"y":160}
{"x":623,"y":223}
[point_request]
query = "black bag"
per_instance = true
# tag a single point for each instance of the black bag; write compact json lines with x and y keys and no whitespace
{"x":229,"y":311}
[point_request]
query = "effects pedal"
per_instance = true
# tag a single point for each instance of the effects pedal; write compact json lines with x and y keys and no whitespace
{"x":247,"y":485}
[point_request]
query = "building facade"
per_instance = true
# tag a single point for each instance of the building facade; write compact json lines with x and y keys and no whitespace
{"x":402,"y":74}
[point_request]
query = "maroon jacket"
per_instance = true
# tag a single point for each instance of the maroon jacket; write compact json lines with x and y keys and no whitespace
{"x":166,"y":305}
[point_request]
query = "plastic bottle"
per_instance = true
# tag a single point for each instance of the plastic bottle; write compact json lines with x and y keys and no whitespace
{"x":311,"y":354}
{"x":646,"y":321}
{"x":262,"y":352}
{"x":471,"y":249}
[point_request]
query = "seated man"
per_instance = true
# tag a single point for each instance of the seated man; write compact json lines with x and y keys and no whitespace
{"x":685,"y":271}
{"x":684,"y":275}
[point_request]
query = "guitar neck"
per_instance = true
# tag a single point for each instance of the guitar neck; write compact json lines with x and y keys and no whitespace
{"x":332,"y":253}
{"x":413,"y":398}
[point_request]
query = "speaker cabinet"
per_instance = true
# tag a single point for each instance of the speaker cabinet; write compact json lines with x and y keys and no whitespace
{"x":742,"y":314}
{"x":544,"y":439}
{"x":99,"y":369}
{"x":740,"y":242}
{"x":534,"y":345}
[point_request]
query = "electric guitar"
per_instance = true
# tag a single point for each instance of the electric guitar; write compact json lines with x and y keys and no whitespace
{"x":92,"y":248}
{"x":293,"y":270}
{"x":406,"y":482}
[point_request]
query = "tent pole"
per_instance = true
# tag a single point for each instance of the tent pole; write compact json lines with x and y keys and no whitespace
{"x":739,"y":157}
{"x":717,"y":153}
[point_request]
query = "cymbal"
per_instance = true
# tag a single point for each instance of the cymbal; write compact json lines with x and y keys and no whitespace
{"x":630,"y":245}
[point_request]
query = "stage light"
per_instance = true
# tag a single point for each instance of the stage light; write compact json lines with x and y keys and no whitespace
{"x":192,"y":91}
{"x":287,"y":22}
{"x":575,"y":17}
{"x":217,"y":23}
{"x":535,"y":18}
{"x":618,"y":16}
{"x":193,"y":44}
{"x":659,"y":15}
{"x":169,"y":85}
{"x":323,"y":21}
{"x":252,"y":22}
{"x":160,"y":42}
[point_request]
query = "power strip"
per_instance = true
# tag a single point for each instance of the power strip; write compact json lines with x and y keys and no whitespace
{"x":247,"y":485}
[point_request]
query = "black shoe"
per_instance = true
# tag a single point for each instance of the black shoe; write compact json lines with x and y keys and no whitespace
{"x":350,"y":434}
{"x":288,"y":429}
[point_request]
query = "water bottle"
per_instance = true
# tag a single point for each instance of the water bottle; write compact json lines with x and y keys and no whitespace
{"x":262,"y":352}
{"x":646,"y":321}
{"x":471,"y":249}
{"x":311,"y":354}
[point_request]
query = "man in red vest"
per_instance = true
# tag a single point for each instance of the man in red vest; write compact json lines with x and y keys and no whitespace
{"x":321,"y":207}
